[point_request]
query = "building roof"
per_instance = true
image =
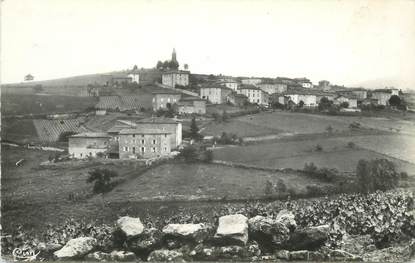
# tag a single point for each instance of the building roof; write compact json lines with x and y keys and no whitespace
{"x":91,"y":135}
{"x":166,"y":91}
{"x":176,"y":72}
{"x":351,"y":96}
{"x":143,"y":131}
{"x":214,"y":86}
{"x":192,"y":98}
{"x":160,"y":120}
{"x":384,"y":90}
{"x":117,"y":128}
{"x":249,"y":86}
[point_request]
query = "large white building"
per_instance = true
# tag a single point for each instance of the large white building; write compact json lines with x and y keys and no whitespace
{"x":255,"y":95}
{"x":175,"y":77}
{"x":215,"y":94}
{"x":87,"y":145}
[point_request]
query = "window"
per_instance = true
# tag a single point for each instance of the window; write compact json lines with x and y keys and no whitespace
{"x":165,"y":149}
{"x":133,"y":135}
{"x":165,"y":135}
{"x":154,"y":141}
{"x":133,"y":149}
{"x":142,"y":141}
{"x":142,"y":136}
{"x":143,"y":149}
{"x":125,"y":149}
{"x":153,"y":149}
{"x":80,"y":155}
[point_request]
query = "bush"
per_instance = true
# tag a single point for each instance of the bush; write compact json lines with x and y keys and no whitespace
{"x":319,"y":148}
{"x":351,"y":145}
{"x":228,"y":138}
{"x":379,"y":174}
{"x":102,"y":179}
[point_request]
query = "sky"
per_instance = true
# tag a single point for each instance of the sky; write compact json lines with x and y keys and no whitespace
{"x":346,"y":42}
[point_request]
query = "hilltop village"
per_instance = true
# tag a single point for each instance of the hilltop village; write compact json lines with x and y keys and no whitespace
{"x":165,"y":96}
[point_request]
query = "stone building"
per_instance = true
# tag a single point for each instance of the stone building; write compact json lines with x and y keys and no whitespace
{"x":254,"y":94}
{"x":190,"y":105}
{"x":88,"y":144}
{"x":172,"y":126}
{"x":383,"y":95}
{"x":172,"y":78}
{"x":143,"y":143}
{"x":231,"y":84}
{"x":164,"y":99}
{"x":214,"y":93}
{"x":251,"y":81}
{"x":237,"y":99}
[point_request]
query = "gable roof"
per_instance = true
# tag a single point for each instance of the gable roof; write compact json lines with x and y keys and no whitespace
{"x":91,"y":135}
{"x":143,"y":131}
{"x":249,"y":86}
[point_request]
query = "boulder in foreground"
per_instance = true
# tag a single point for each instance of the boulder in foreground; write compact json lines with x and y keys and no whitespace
{"x":76,"y":248}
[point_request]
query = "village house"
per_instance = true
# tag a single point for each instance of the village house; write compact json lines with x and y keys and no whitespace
{"x":175,"y":77}
{"x":359,"y":93}
{"x":172,"y":126}
{"x":251,"y":81}
{"x":119,"y":80}
{"x":350,"y":100}
{"x":165,"y":99}
{"x":190,"y":105}
{"x":88,"y":144}
{"x":304,"y":82}
{"x":308,"y":99}
{"x":214,"y":93}
{"x":383,"y":95}
{"x":254,"y":94}
{"x":231,"y":84}
{"x":272,"y":87}
{"x":141,"y":143}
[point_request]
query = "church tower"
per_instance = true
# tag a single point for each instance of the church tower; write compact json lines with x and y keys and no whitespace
{"x":173,"y":55}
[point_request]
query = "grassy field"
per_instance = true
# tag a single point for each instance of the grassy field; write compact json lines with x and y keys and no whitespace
{"x":335,"y":153}
{"x":34,"y":196}
{"x":38,"y":104}
{"x":18,"y":130}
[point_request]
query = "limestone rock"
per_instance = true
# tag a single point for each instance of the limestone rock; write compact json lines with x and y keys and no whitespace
{"x":309,"y":238}
{"x":299,"y":255}
{"x":196,"y":232}
{"x":122,"y":256}
{"x":98,"y":256}
{"x":164,"y":255}
{"x":268,"y":231}
{"x":232,"y":230}
{"x":287,"y":218}
{"x":282,"y":254}
{"x":130,"y":226}
{"x":76,"y":247}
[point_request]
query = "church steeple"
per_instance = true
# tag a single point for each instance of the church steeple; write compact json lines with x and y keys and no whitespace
{"x":173,"y":55}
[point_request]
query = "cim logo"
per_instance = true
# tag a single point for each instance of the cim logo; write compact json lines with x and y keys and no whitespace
{"x":25,"y":254}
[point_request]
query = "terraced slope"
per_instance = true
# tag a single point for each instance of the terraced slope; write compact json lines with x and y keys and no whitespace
{"x":49,"y":130}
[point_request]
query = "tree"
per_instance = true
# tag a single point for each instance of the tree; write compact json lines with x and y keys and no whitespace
{"x":395,"y":101}
{"x":301,"y":104}
{"x":379,"y":174}
{"x":344,"y":104}
{"x":189,"y":154}
{"x":38,"y":88}
{"x":135,"y":67}
{"x":102,"y":180}
{"x":324,"y":104}
{"x":159,"y":65}
{"x":194,"y":130}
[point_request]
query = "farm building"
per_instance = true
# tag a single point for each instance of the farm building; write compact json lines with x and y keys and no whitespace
{"x":254,"y":94}
{"x":88,"y":144}
{"x":350,"y":100}
{"x":189,"y":105}
{"x":143,"y":143}
{"x":165,"y":99}
{"x":175,"y":77}
{"x":172,"y":126}
{"x":359,"y":93}
{"x":309,"y":99}
{"x":383,"y":95}
{"x":304,"y":82}
{"x":214,"y":93}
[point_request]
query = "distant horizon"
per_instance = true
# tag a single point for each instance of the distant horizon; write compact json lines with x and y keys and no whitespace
{"x":363,"y":43}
